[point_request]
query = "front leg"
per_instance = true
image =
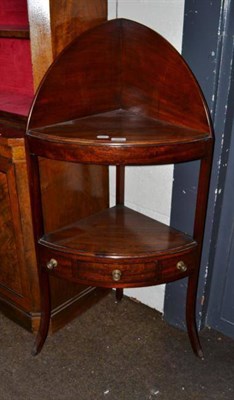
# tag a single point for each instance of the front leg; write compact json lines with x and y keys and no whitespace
{"x":191,"y":315}
{"x":45,"y":312}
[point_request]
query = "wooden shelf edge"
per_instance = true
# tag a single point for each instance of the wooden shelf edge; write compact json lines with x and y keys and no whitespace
{"x":121,"y":223}
{"x":13,"y":118}
{"x":14,"y":32}
{"x":12,"y":125}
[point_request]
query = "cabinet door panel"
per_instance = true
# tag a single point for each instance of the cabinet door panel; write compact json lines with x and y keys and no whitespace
{"x":9,"y":262}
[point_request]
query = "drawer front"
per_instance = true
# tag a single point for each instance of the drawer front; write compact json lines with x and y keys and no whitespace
{"x":117,"y":274}
{"x":98,"y":273}
{"x":177,"y":266}
{"x":57,"y":265}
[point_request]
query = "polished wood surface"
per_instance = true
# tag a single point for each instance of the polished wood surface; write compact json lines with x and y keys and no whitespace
{"x":155,"y":82}
{"x":81,"y":16}
{"x":150,"y":140}
{"x":7,"y":232}
{"x":16,"y":32}
{"x":81,"y":185}
{"x":17,"y":277}
{"x":120,"y":124}
{"x":145,"y":251}
{"x":119,"y":94}
{"x":125,"y":233}
{"x":19,"y":286}
{"x":55,"y":23}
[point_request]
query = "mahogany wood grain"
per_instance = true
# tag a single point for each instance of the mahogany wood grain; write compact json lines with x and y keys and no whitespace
{"x":120,"y":184}
{"x":140,"y":72}
{"x":16,"y":32}
{"x":117,"y":154}
{"x":131,"y":127}
{"x":15,"y":255}
{"x":10,"y":121}
{"x":84,"y":191}
{"x":45,"y":313}
{"x":133,"y":272}
{"x":119,"y":94}
{"x":166,"y":87}
{"x":117,"y":233}
{"x":19,"y":289}
{"x":199,"y":225}
{"x":7,"y":236}
{"x":53,"y":25}
{"x":81,"y":185}
{"x":81,"y":16}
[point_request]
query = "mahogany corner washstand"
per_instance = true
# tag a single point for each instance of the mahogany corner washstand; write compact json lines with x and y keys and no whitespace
{"x":119,"y":95}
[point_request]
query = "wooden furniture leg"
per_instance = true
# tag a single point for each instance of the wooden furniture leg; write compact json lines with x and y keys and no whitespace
{"x":191,"y":315}
{"x":119,"y":294}
{"x":199,"y":226}
{"x":34,"y":183}
{"x":120,"y":181}
{"x":45,"y":312}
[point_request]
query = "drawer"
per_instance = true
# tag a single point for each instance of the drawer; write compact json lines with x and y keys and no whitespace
{"x":117,"y":274}
{"x":177,"y":266}
{"x":105,"y":274}
{"x":57,"y":265}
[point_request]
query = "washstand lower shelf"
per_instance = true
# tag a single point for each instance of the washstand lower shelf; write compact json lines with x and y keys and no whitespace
{"x":118,"y":247}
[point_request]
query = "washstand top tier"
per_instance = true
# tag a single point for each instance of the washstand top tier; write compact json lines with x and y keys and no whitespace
{"x":119,"y":94}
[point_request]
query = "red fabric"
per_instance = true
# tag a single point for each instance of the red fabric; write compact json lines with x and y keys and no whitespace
{"x":13,"y":12}
{"x":16,"y":66}
{"x":16,"y":82}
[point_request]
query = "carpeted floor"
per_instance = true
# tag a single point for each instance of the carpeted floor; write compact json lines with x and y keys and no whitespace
{"x":115,"y":352}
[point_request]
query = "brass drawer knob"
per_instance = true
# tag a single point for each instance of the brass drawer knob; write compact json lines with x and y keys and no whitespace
{"x":181,"y":266}
{"x":116,"y":275}
{"x":52,"y":264}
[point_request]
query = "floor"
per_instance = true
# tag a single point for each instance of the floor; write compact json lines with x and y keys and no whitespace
{"x":115,"y":352}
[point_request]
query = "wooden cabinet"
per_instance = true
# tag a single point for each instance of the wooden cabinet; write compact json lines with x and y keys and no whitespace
{"x":31,"y":35}
{"x":119,"y":95}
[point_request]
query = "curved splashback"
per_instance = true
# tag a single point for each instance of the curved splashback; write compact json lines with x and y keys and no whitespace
{"x":120,"y":64}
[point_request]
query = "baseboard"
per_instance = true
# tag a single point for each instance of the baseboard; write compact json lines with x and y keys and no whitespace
{"x":60,"y":316}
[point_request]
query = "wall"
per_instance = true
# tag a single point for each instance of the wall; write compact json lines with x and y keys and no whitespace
{"x":148,"y":189}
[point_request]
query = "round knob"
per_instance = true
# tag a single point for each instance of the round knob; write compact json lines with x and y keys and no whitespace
{"x":52,"y":264}
{"x":181,"y":266}
{"x":116,"y":275}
